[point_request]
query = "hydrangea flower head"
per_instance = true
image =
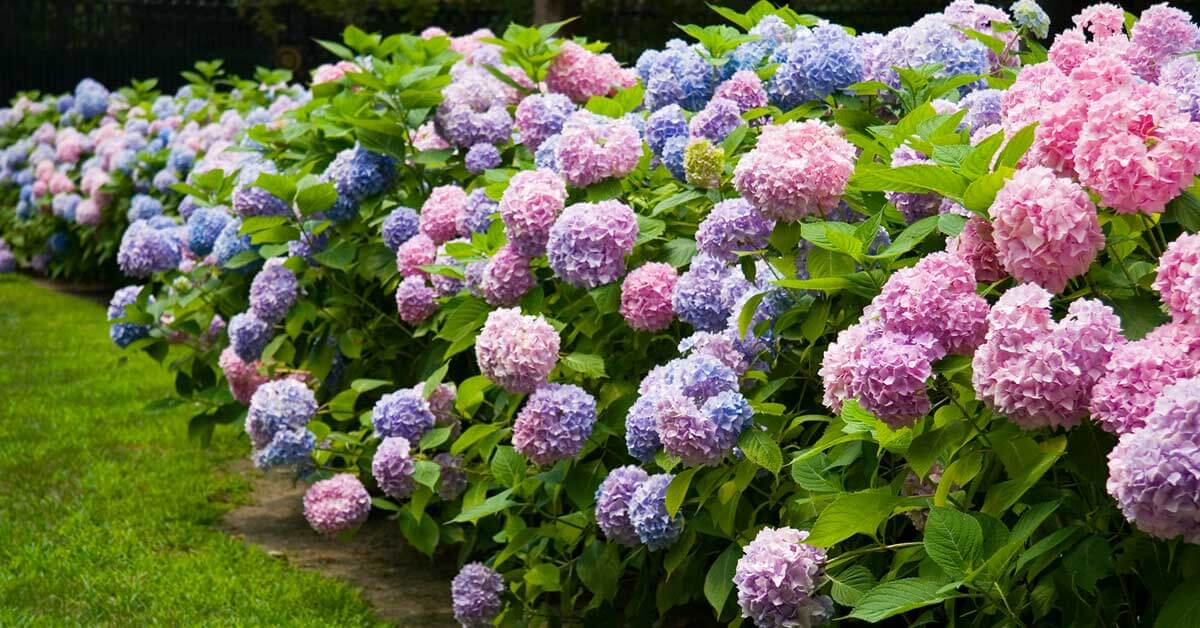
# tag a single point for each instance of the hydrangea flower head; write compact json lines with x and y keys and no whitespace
{"x":648,"y":513}
{"x":1039,"y":373}
{"x":1138,"y":372}
{"x":716,"y":121}
{"x":1031,"y":17}
{"x":700,"y":298}
{"x":646,"y":296}
{"x":555,"y":423}
{"x":145,"y":250}
{"x":400,"y":225}
{"x":579,"y":74}
{"x":476,"y":215}
{"x":745,"y":89}
{"x":777,"y":578}
{"x":204,"y":226}
{"x":819,"y":62}
{"x":392,"y":467}
{"x":589,"y":241}
{"x":1152,"y":472}
{"x":439,"y":214}
{"x":405,"y":413}
{"x":273,"y":291}
{"x":541,"y":115}
{"x":529,"y":206}
{"x":703,"y":164}
{"x":1045,"y":228}
{"x":641,"y":435}
{"x":243,"y":377}
{"x":122,"y":334}
{"x":732,"y":225}
{"x":798,"y":169}
{"x":415,"y":300}
{"x":612,"y":503}
{"x":481,"y":157}
{"x":516,"y":351}
{"x":475,"y":592}
{"x":249,"y":335}
{"x":888,"y":376}
{"x":676,"y":75}
{"x":664,"y":124}
{"x":974,"y":245}
{"x":336,"y":505}
{"x":414,"y":253}
{"x":1178,"y":279}
{"x":284,"y":404}
{"x":592,"y":148}
{"x":504,"y":278}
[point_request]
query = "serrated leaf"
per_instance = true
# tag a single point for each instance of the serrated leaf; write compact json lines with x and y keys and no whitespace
{"x":600,"y":569}
{"x":898,"y":596}
{"x":490,"y":506}
{"x":508,"y":466}
{"x":677,"y":490}
{"x":586,"y":364}
{"x":761,"y":449}
{"x":954,"y":540}
{"x":850,"y":584}
{"x":718,"y":582}
{"x":853,"y":513}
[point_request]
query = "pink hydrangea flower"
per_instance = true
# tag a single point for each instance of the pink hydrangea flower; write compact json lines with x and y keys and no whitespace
{"x":506,"y":278}
{"x":415,"y":300}
{"x":1137,"y":150}
{"x":888,"y":377}
{"x":440,"y":213}
{"x":580,"y":74}
{"x":1039,"y":373}
{"x":1178,"y":279}
{"x":243,"y":377}
{"x":837,"y":367}
{"x":1101,"y":20}
{"x":646,"y":296}
{"x":1045,"y":228}
{"x":798,"y":169}
{"x":330,"y":72}
{"x":1139,"y":370}
{"x":426,"y":138}
{"x":935,"y":297}
{"x":592,"y":148}
{"x":515,"y":351}
{"x":417,"y":251}
{"x":974,"y":245}
{"x":338,"y":504}
{"x":529,"y":206}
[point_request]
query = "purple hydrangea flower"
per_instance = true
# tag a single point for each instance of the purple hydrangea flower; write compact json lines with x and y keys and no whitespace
{"x":641,"y":434}
{"x":612,"y":504}
{"x":732,"y":225}
{"x":338,"y":504}
{"x":664,"y":124}
{"x":504,"y":278}
{"x":273,"y":291}
{"x":230,"y":242}
{"x":982,"y":107}
{"x":481,"y":157}
{"x":415,"y":300}
{"x":540,"y":116}
{"x":716,"y":121}
{"x":249,"y":335}
{"x":146,"y":250}
{"x":648,"y":513}
{"x":589,"y":241}
{"x":476,"y":214}
{"x":403,"y":413}
{"x":820,"y":61}
{"x":475,"y":592}
{"x":700,"y":299}
{"x":143,"y":207}
{"x":777,"y":577}
{"x":555,"y":423}
{"x":392,"y":467}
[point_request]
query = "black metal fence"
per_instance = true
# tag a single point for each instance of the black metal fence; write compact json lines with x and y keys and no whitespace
{"x":49,"y":45}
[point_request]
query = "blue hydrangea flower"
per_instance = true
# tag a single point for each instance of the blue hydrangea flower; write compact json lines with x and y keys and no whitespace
{"x":546,"y":157}
{"x":290,"y":447}
{"x":273,"y":291}
{"x":701,"y":297}
{"x":358,"y":174}
{"x":664,"y":124}
{"x":204,"y":226}
{"x":673,"y":156}
{"x":63,"y":206}
{"x":249,"y":335}
{"x":122,"y":334}
{"x":676,"y":75}
{"x":230,"y":242}
{"x":143,"y":207}
{"x":91,"y":99}
{"x":476,"y":216}
{"x":648,"y":513}
{"x":145,"y":250}
{"x":817,"y":63}
{"x":278,"y":406}
{"x":402,"y":413}
{"x":181,"y":159}
{"x":165,"y":179}
{"x":400,"y":225}
{"x":701,"y":377}
{"x":58,"y":244}
{"x":641,"y":437}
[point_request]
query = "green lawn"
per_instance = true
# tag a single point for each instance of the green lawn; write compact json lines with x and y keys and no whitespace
{"x":106,"y":511}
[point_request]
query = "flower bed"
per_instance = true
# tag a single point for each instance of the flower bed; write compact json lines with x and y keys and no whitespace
{"x":785,"y":324}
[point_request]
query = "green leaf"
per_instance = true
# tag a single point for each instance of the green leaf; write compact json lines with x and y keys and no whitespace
{"x":1090,"y":561}
{"x":316,"y":198}
{"x":434,"y":380}
{"x":761,"y":449}
{"x":600,"y":569}
{"x":364,"y":385}
{"x":544,"y":576}
{"x":508,"y":466}
{"x":747,"y":314}
{"x":472,"y":435}
{"x":951,"y":224}
{"x":912,"y":235}
{"x":812,"y":473}
{"x":913,"y":178}
{"x":490,"y":506}
{"x":954,"y":540}
{"x":718,"y":583}
{"x":586,"y":364}
{"x":1182,"y":606}
{"x":339,"y":256}
{"x":421,"y":534}
{"x":1016,"y":147}
{"x":850,"y":584}
{"x":853,"y":513}
{"x":426,"y":473}
{"x":1000,"y":497}
{"x":434,"y":437}
{"x":982,"y":192}
{"x":677,"y":490}
{"x":470,"y":394}
{"x":898,"y":596}
{"x":680,"y":251}
{"x":649,"y":229}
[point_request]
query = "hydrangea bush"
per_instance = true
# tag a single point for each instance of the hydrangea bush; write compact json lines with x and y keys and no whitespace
{"x":781,"y":324}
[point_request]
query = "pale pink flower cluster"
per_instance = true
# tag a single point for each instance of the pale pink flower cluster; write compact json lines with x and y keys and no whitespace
{"x":1045,"y":228}
{"x":798,"y":169}
{"x":1178,"y":279}
{"x":1037,"y":372}
{"x":579,"y":74}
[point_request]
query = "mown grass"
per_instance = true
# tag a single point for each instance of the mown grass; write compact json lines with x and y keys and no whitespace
{"x":106,"y":511}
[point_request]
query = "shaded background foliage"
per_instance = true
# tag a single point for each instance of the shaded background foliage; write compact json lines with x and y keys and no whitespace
{"x":48,"y":44}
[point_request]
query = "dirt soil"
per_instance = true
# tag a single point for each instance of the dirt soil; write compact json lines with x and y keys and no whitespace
{"x":403,"y":585}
